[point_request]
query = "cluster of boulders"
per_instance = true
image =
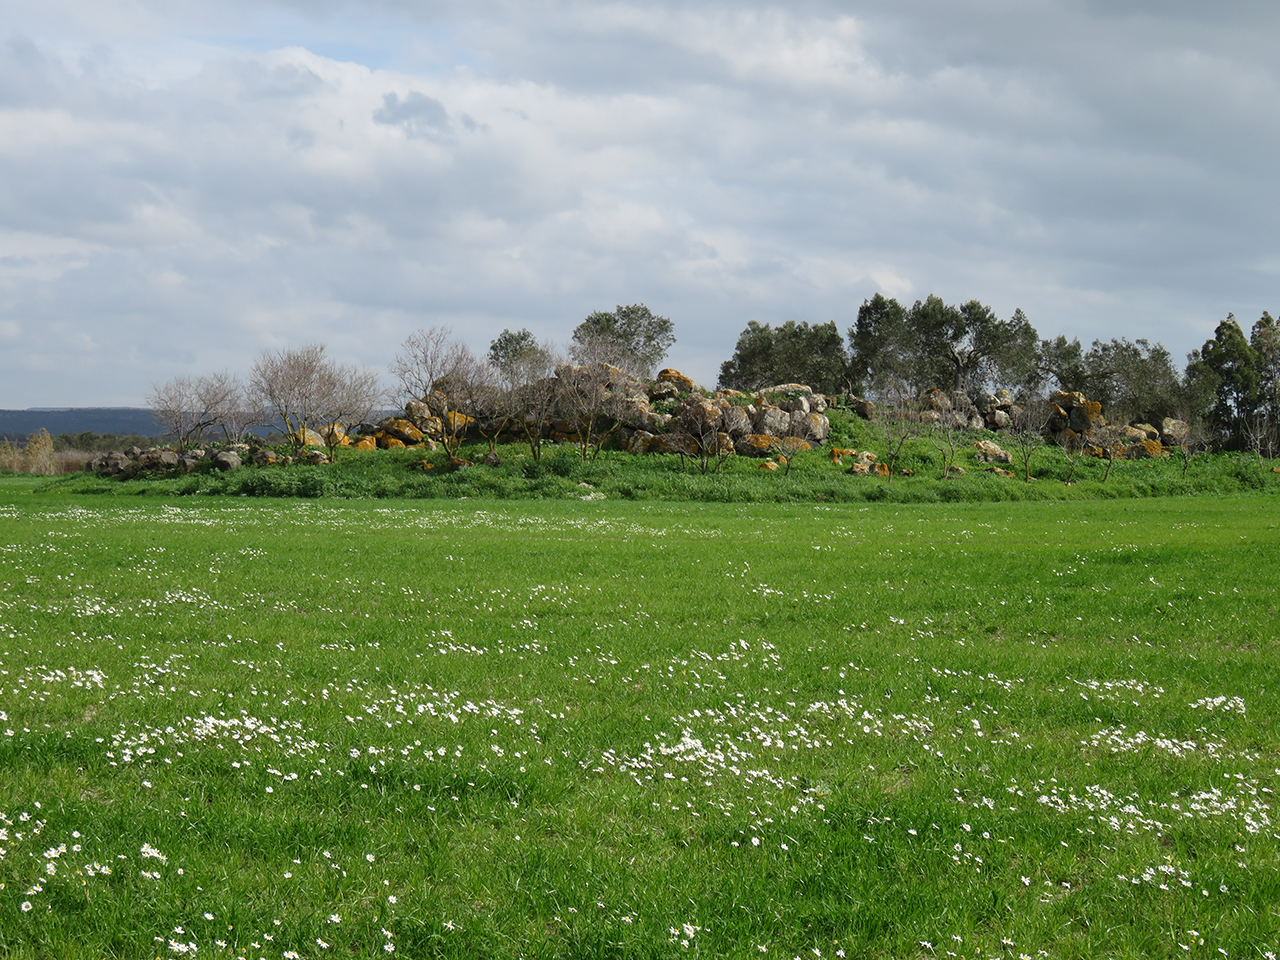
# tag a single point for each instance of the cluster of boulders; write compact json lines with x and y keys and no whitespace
{"x":1078,"y":423}
{"x":783,"y":419}
{"x":135,"y":462}
{"x":670,"y":414}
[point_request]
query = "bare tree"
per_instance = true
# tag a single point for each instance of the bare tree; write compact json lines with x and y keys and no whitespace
{"x":1026,"y":433}
{"x":529,"y":393}
{"x":702,"y":417}
{"x":944,"y":438}
{"x":592,"y":397}
{"x":242,"y":413}
{"x":187,"y":406}
{"x":1074,"y":448}
{"x":900,"y":423}
{"x":351,"y":393}
{"x":430,"y":366}
{"x":1192,"y":444}
{"x":306,"y":390}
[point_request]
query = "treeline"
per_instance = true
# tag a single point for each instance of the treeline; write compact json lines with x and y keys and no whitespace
{"x":894,"y":353}
{"x":517,"y":387}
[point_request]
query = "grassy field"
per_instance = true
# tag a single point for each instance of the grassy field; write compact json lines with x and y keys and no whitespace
{"x":317,"y":728}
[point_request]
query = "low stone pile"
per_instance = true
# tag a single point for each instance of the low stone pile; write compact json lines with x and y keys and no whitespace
{"x":1078,"y":423}
{"x":135,"y":462}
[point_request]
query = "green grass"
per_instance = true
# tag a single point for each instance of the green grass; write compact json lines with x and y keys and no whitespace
{"x":562,"y":475}
{"x":568,"y":729}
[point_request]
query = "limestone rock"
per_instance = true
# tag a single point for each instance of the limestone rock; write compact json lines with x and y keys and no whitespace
{"x":991,"y":452}
{"x":1145,"y":449}
{"x":772,"y":421}
{"x":403,"y":430}
{"x":682,"y":383}
{"x":308,"y":438}
{"x":754,"y":445}
{"x":863,"y":408}
{"x":735,"y":421}
{"x":1173,"y":432}
{"x":810,"y":426}
{"x":227,"y":460}
{"x":681,"y":443}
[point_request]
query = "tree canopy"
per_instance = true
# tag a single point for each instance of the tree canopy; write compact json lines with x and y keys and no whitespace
{"x":792,"y":353}
{"x":633,"y":338}
{"x":936,"y":344}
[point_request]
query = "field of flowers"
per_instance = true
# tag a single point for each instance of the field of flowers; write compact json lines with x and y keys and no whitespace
{"x":283,"y":729}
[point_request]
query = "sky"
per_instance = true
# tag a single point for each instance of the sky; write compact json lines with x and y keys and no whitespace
{"x":185,"y":184}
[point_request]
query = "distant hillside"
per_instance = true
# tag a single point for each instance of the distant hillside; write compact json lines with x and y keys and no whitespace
{"x":122,"y":421}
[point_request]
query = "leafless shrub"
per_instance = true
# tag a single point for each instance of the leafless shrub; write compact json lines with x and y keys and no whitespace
{"x":185,"y":407}
{"x":306,"y":390}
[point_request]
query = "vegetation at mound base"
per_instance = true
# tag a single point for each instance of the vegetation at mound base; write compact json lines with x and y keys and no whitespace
{"x":810,"y":476}
{"x":312,"y":729}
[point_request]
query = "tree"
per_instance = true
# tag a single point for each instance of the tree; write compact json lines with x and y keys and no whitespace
{"x":241,"y":415}
{"x":879,"y":347}
{"x":946,"y":439}
{"x":792,"y":353}
{"x":593,"y":397}
{"x":1062,"y":361}
{"x":1026,"y":433}
{"x":1228,"y":364}
{"x":185,"y":406}
{"x":1265,"y":340}
{"x":1133,"y":380}
{"x":475,"y":387}
{"x":751,"y":366}
{"x":350,"y":394}
{"x":529,"y":393}
{"x":431,"y":366}
{"x":633,"y":338}
{"x":935,"y":344}
{"x":508,"y":348}
{"x":306,"y":390}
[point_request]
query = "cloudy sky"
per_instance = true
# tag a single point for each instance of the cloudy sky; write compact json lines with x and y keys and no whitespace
{"x":186,"y":183}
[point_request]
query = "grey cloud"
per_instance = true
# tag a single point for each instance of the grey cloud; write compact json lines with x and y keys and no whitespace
{"x":417,"y":113}
{"x":1104,"y":169}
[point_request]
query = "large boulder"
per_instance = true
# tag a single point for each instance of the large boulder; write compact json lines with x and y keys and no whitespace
{"x":771,"y":421}
{"x":997,"y":419}
{"x":639,"y":442}
{"x":935,"y":399}
{"x":228,"y":460}
{"x":681,"y":443}
{"x":697,"y":415}
{"x":1086,"y":416}
{"x":810,"y":426}
{"x":403,"y":430}
{"x":108,"y":464}
{"x":755,"y":445}
{"x":1145,"y":449}
{"x":1174,"y":432}
{"x":682,"y":383}
{"x":307,"y":437}
{"x":863,"y":408}
{"x":735,"y":421}
{"x":991,"y":452}
{"x":790,"y":446}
